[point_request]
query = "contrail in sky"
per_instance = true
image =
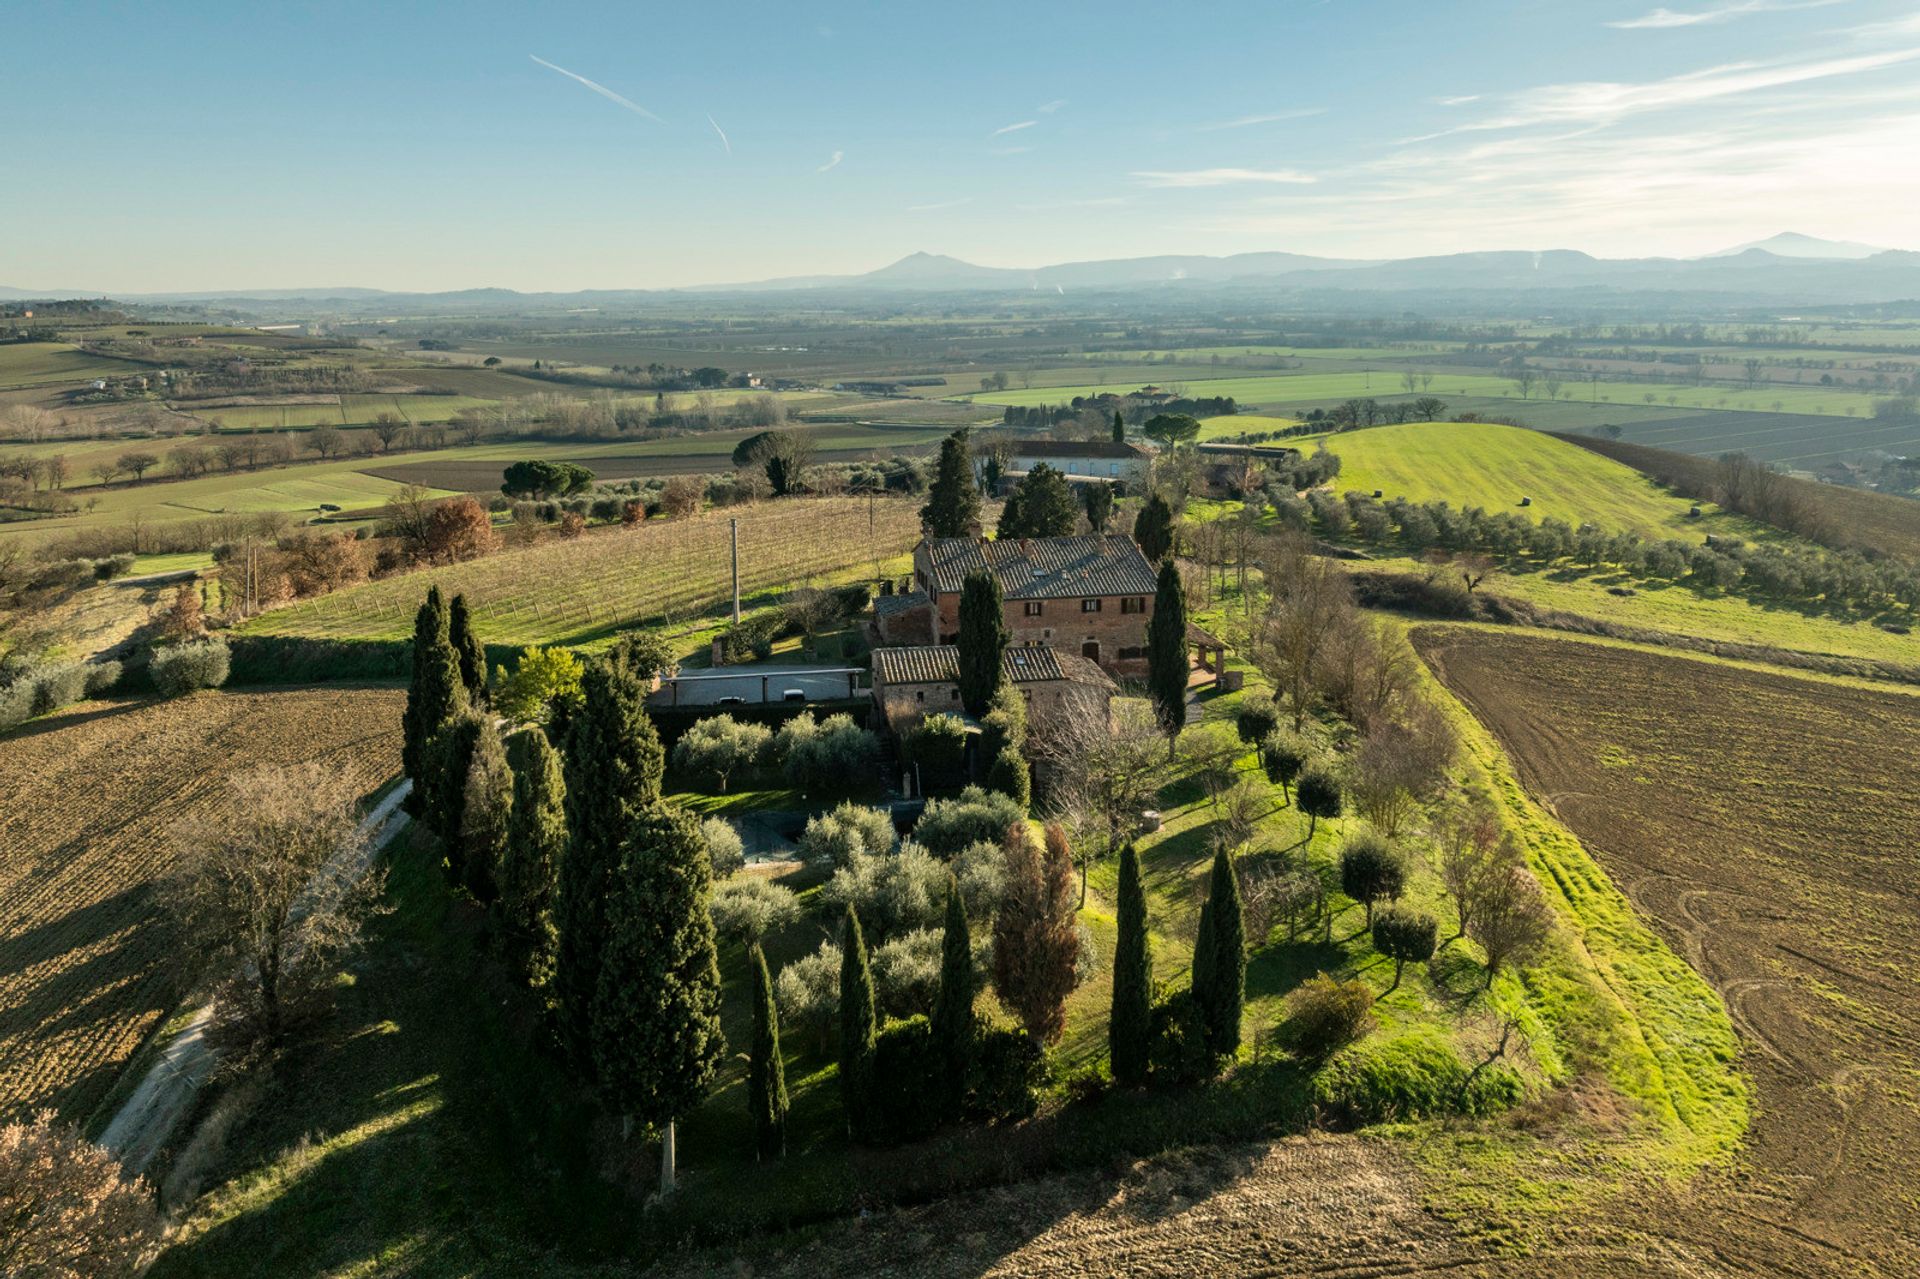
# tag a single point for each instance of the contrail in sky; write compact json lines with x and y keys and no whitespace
{"x":603,"y":91}
{"x":722,"y":132}
{"x":1013,"y":128}
{"x":834,"y":163}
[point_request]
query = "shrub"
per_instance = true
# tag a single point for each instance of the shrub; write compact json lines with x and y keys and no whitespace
{"x":1404,"y":936}
{"x":16,"y":704}
{"x":1005,"y":723}
{"x":847,"y":832}
{"x":56,"y":687}
{"x":724,"y":846}
{"x":1283,"y":755}
{"x":720,"y":748}
{"x":1324,"y":1016}
{"x":833,"y":755}
{"x":1008,"y":775}
{"x":1370,"y":871}
{"x":182,"y":668}
{"x":1319,"y":793}
{"x":892,"y":895}
{"x":542,"y":677}
{"x":906,"y":973}
{"x":101,"y":677}
{"x":748,"y":909}
{"x":905,"y":1075}
{"x":1256,"y":719}
{"x":1177,"y":1050}
{"x":1411,"y":1076}
{"x":1006,"y":1075}
{"x":69,"y":1207}
{"x":982,"y":871}
{"x":938,"y":747}
{"x":808,"y":993}
{"x":974,"y":816}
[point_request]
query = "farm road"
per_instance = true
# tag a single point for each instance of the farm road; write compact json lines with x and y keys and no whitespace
{"x":165,"y":1095}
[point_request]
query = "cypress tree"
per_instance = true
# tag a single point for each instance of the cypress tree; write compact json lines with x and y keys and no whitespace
{"x":486,"y":812}
{"x":612,"y":768}
{"x":952,"y":501}
{"x":1041,"y":505}
{"x":983,"y":640}
{"x":466,"y":646}
{"x":654,"y":1024}
{"x":434,"y":696}
{"x":857,"y":1028}
{"x":953,"y":1025}
{"x":766,"y":1073}
{"x":1153,"y":528}
{"x":1097,"y":499}
{"x":1167,"y":654}
{"x":447,"y":760}
{"x":1220,"y":960}
{"x":1119,"y":428}
{"x":536,"y":839}
{"x":1129,"y":1030}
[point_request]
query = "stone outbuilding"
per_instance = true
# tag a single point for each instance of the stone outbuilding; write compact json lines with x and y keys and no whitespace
{"x":911,"y":683}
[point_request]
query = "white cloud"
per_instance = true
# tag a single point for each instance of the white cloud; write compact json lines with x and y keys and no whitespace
{"x":942,"y":204}
{"x":1668,"y":19}
{"x":1048,"y":108}
{"x":722,"y":132}
{"x":1217,"y":177}
{"x":833,"y":163}
{"x":1013,"y":128}
{"x":1459,"y":101}
{"x":600,"y":89}
{"x":1248,"y":121}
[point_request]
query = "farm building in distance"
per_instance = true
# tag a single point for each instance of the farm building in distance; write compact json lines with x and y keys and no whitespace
{"x":910,"y":684}
{"x":1078,"y":460}
{"x":1091,"y":595}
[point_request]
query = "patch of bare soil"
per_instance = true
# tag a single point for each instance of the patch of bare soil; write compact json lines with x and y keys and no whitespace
{"x":1768,"y":825}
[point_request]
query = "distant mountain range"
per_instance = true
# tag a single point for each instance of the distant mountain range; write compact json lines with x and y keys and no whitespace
{"x":1789,"y":268}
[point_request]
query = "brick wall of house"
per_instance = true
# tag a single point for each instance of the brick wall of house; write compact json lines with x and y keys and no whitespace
{"x":1064,"y":625}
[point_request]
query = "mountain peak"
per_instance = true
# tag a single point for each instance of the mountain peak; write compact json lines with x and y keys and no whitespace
{"x":1793,"y":244}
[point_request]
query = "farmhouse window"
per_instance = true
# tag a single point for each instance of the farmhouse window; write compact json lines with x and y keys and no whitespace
{"x":1132,"y":654}
{"x":1090,"y":606}
{"x":1133,"y":604}
{"x":1033,"y":608}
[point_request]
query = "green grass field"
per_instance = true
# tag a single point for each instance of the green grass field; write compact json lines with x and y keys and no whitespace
{"x":351,"y":410}
{"x":1486,"y":465}
{"x":33,"y":363}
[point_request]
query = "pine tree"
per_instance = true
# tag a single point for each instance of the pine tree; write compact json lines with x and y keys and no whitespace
{"x":858,"y":1027}
{"x":953,"y":1023}
{"x":952,"y":501}
{"x":1167,"y":654}
{"x":654,"y":1021}
{"x":536,"y":840}
{"x":1220,"y":959}
{"x":434,"y":696}
{"x":1129,"y":1031}
{"x":1041,"y":505}
{"x":1097,"y":500}
{"x":467,"y":647}
{"x":487,"y":812}
{"x":983,"y":640}
{"x":612,"y":767}
{"x":766,"y":1073}
{"x":1119,"y":428}
{"x":1153,"y":528}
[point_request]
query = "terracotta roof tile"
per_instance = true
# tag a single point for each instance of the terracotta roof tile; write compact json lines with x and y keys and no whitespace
{"x":1045,"y":567}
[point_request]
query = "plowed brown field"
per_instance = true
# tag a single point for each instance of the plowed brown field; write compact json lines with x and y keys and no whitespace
{"x":88,"y":800}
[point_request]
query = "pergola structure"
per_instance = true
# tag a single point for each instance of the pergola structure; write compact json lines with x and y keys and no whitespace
{"x":1209,"y":650}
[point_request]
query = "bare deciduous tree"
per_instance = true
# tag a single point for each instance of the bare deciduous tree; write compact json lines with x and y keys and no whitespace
{"x":1310,"y":599}
{"x":1096,"y":772}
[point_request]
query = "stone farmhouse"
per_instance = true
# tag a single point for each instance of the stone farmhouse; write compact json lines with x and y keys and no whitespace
{"x":1089,"y":595}
{"x":910,"y":684}
{"x":1080,"y":461}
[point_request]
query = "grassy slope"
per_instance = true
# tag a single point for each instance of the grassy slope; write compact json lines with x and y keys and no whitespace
{"x":1491,"y":466}
{"x":31,"y":363}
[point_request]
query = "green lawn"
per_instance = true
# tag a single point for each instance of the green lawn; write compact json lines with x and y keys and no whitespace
{"x":33,"y":363}
{"x":1494,"y":467}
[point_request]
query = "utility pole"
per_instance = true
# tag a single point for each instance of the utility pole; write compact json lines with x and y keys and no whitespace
{"x":734,"y":533}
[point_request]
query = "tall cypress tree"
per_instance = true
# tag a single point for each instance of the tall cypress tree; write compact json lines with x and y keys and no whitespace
{"x":1119,"y":428}
{"x":952,"y":501}
{"x":1220,"y":959}
{"x":858,"y":1027}
{"x":983,"y":640}
{"x":1097,"y":499}
{"x":1153,"y":528}
{"x":1129,"y":1030}
{"x":766,"y":1073}
{"x":486,"y":812}
{"x":536,"y":840}
{"x":1167,"y":654}
{"x":654,"y":1023}
{"x":467,"y":647}
{"x":612,"y":767}
{"x":434,"y":696}
{"x":953,"y":1026}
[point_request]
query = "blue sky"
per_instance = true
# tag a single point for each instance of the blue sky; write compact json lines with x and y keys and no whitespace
{"x":173,"y":146}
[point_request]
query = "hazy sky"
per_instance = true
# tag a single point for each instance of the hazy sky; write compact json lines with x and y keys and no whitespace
{"x":173,"y":146}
